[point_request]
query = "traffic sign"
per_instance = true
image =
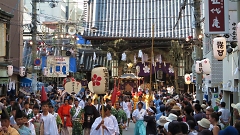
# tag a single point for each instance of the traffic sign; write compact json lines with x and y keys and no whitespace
{"x":37,"y":62}
{"x":37,"y":67}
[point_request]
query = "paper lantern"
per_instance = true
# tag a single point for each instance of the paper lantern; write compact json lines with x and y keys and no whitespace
{"x":187,"y":78}
{"x":10,"y":70}
{"x":22,"y":71}
{"x":198,"y":67}
{"x":45,"y":71}
{"x":72,"y":87}
{"x":219,"y":48}
{"x":238,"y":35}
{"x":90,"y":86}
{"x":206,"y":66}
{"x":100,"y":80}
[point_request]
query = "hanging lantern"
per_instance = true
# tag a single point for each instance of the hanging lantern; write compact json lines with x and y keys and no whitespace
{"x":187,"y":78}
{"x":206,"y":66}
{"x":238,"y":35}
{"x":219,"y":48}
{"x":100,"y":80}
{"x":10,"y":70}
{"x":198,"y":67}
{"x":22,"y":71}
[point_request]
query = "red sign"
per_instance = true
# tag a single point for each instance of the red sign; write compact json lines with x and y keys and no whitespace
{"x":216,"y":15}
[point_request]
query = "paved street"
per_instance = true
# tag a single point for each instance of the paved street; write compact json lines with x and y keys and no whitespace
{"x":130,"y":130}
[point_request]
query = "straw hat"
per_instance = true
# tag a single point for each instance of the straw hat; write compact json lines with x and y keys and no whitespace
{"x":203,"y":106}
{"x":176,"y":108}
{"x":236,"y":106}
{"x":162,"y":120}
{"x":205,"y":123}
{"x":171,"y":117}
{"x":218,"y":101}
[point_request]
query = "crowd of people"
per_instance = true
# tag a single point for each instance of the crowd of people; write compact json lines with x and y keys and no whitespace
{"x":85,"y":113}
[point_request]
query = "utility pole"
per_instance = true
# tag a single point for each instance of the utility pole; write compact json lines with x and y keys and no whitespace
{"x":238,"y":20}
{"x":34,"y":44}
{"x":151,"y":61}
{"x":197,"y":48}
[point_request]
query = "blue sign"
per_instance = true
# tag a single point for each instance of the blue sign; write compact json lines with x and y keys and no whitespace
{"x":37,"y":62}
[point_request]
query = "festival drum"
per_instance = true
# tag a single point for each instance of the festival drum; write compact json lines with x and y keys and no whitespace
{"x":100,"y":80}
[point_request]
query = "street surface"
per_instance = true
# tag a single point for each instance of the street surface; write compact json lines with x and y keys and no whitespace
{"x":130,"y":130}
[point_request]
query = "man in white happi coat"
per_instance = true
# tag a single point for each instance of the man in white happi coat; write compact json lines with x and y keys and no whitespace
{"x":103,"y":124}
{"x":49,"y":121}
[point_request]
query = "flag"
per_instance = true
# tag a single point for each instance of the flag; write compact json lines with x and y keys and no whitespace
{"x":94,"y":56}
{"x":43,"y":95}
{"x":114,"y":95}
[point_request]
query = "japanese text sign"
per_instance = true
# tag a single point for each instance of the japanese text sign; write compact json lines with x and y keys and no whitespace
{"x":216,"y":16}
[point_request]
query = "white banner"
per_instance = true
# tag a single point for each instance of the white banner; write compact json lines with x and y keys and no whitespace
{"x":57,"y":66}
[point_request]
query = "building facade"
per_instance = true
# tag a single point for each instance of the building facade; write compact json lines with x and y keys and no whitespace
{"x":135,"y":18}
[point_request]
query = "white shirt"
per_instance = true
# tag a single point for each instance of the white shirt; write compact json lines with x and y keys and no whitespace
{"x":125,"y":107}
{"x":115,"y":124}
{"x":82,"y":104}
{"x":50,"y":124}
{"x":32,"y":128}
{"x":139,"y":114}
{"x":225,"y":114}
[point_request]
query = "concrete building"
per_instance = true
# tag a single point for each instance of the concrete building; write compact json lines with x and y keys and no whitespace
{"x":53,"y":11}
{"x":14,"y":43}
{"x":224,"y":74}
{"x":134,"y":18}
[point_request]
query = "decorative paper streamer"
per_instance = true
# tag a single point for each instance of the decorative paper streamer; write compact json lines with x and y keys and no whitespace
{"x":160,"y":59}
{"x":82,"y":57}
{"x":140,"y":54}
{"x":109,"y":56}
{"x":134,"y":59}
{"x":94,"y":56}
{"x":236,"y":70}
{"x":124,"y":56}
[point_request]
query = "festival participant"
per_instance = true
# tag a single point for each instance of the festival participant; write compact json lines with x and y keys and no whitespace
{"x":140,"y":100}
{"x":214,"y":118}
{"x":26,"y":109}
{"x":15,"y":107}
{"x":90,"y":114}
{"x":77,"y":116}
{"x":103,"y":123}
{"x":121,"y":117}
{"x":20,"y":127}
{"x":151,"y":128}
{"x":64,"y":113}
{"x":56,"y":116}
{"x":50,"y":125}
{"x":225,"y":118}
{"x":6,"y":129}
{"x":138,"y":115}
{"x":130,"y":106}
{"x":29,"y":124}
{"x":113,"y":110}
{"x":20,"y":101}
{"x":126,"y":110}
{"x":115,"y":122}
{"x":9,"y":107}
{"x":36,"y":121}
{"x":82,"y":101}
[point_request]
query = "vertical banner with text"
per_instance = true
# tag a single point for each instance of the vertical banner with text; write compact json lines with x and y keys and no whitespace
{"x":216,"y":16}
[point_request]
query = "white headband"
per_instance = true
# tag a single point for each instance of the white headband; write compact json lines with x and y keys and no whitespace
{"x":150,"y":110}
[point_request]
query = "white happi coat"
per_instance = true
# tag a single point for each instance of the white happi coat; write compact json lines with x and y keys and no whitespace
{"x":139,"y":114}
{"x":108,"y":122}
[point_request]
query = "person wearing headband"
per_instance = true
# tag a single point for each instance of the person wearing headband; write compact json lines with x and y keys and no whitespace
{"x":151,"y":128}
